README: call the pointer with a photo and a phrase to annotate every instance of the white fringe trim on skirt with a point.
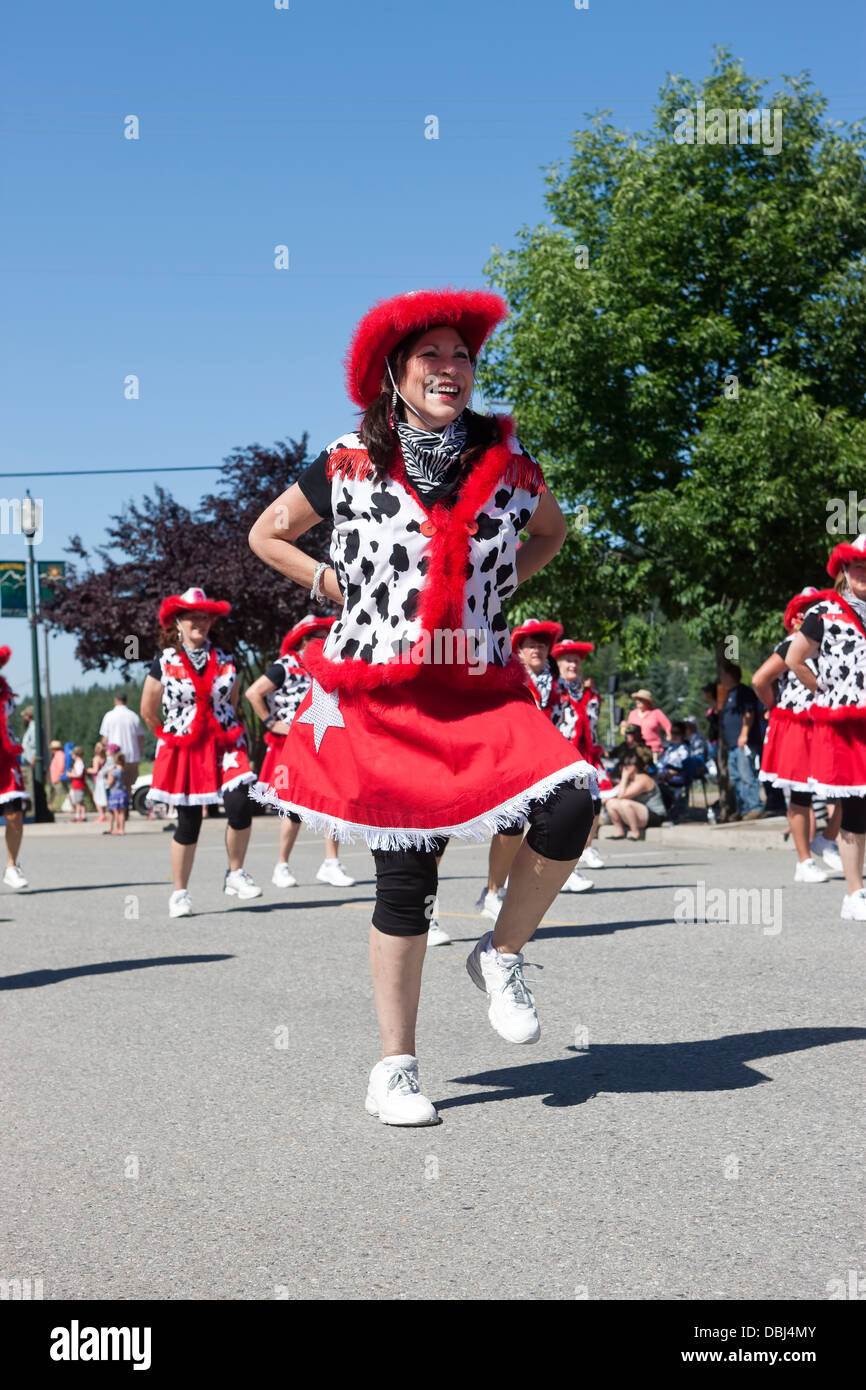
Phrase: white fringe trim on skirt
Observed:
(783, 784)
(396, 837)
(832, 793)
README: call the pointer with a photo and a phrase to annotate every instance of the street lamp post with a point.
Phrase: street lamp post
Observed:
(31, 521)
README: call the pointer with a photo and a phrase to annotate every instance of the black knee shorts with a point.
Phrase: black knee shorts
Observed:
(854, 814)
(239, 812)
(8, 808)
(801, 798)
(407, 879)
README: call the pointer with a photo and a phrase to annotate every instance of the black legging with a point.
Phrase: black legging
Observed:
(406, 879)
(239, 810)
(854, 814)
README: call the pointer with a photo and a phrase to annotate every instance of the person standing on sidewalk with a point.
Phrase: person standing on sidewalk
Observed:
(201, 756)
(418, 724)
(652, 721)
(11, 784)
(275, 697)
(740, 733)
(122, 726)
(833, 635)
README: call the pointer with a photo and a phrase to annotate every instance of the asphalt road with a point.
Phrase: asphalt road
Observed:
(182, 1113)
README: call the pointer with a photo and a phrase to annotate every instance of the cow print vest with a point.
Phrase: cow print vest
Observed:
(408, 573)
(793, 694)
(178, 692)
(841, 661)
(284, 702)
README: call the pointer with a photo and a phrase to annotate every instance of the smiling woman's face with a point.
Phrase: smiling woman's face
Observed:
(855, 573)
(437, 379)
(195, 627)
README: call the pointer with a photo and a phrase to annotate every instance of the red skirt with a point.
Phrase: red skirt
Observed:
(786, 752)
(11, 780)
(402, 765)
(274, 743)
(197, 775)
(838, 757)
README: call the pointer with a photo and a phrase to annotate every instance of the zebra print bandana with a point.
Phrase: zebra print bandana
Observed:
(432, 457)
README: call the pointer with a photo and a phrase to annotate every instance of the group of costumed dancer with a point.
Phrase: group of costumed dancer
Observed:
(815, 687)
(377, 731)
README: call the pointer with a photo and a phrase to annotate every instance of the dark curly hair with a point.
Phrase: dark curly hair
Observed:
(379, 439)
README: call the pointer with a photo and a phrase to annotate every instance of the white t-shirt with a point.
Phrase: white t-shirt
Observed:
(123, 727)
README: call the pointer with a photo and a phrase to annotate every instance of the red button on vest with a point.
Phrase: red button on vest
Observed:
(427, 528)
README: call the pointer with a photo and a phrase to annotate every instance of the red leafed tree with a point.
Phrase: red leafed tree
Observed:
(158, 547)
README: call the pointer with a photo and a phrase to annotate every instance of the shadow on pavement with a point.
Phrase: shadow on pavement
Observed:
(708, 1064)
(88, 887)
(33, 979)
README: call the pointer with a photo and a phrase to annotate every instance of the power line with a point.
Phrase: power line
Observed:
(84, 472)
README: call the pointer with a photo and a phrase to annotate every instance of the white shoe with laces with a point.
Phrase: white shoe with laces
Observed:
(332, 872)
(854, 906)
(500, 976)
(576, 883)
(282, 877)
(807, 871)
(394, 1095)
(435, 935)
(179, 904)
(239, 884)
(829, 852)
(13, 877)
(591, 859)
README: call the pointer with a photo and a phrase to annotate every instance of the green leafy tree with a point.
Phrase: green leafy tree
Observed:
(685, 355)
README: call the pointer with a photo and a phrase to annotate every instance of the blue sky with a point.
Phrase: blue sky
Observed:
(302, 127)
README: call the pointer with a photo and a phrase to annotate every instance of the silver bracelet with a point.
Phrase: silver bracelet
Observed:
(315, 592)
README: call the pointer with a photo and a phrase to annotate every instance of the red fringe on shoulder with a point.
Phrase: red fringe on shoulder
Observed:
(524, 472)
(350, 463)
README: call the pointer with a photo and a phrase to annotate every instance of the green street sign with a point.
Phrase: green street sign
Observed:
(13, 588)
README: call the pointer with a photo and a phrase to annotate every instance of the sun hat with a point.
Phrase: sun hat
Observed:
(643, 695)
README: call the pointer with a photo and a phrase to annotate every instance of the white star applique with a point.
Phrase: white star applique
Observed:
(323, 713)
(230, 760)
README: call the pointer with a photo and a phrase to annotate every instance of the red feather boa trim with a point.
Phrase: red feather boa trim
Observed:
(441, 602)
(7, 742)
(204, 726)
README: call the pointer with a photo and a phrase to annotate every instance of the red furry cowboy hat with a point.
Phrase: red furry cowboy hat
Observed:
(191, 601)
(798, 604)
(474, 313)
(5, 653)
(844, 553)
(571, 648)
(535, 627)
(295, 636)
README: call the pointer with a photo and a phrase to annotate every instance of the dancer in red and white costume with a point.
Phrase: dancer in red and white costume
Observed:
(578, 721)
(785, 754)
(418, 724)
(201, 755)
(12, 793)
(276, 697)
(833, 634)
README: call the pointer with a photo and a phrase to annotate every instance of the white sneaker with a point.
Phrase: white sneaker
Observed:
(576, 883)
(490, 903)
(854, 906)
(500, 977)
(435, 935)
(332, 872)
(238, 884)
(807, 871)
(591, 859)
(282, 877)
(179, 904)
(394, 1095)
(829, 852)
(13, 877)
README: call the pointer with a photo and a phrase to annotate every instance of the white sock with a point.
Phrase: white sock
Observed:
(400, 1059)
